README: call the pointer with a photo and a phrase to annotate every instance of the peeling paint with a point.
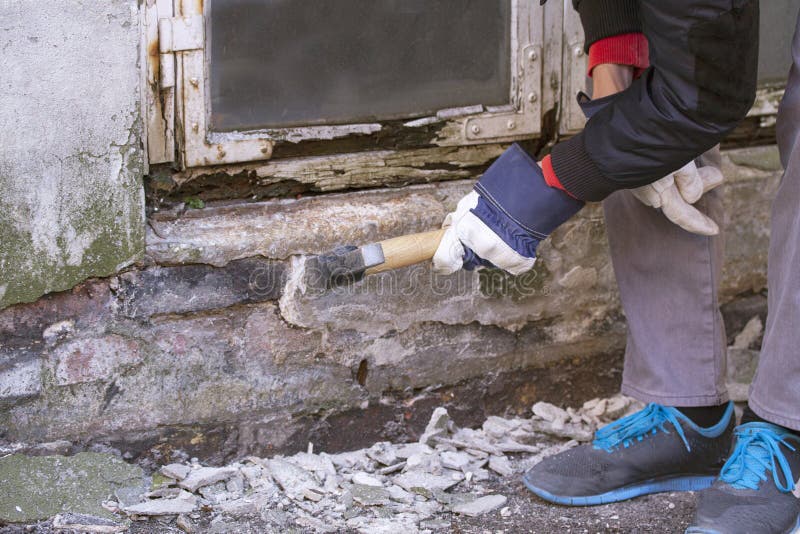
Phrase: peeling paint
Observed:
(72, 204)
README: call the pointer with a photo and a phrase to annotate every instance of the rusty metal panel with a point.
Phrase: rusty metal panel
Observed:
(574, 71)
(158, 96)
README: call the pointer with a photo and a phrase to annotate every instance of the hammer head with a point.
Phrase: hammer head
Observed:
(344, 265)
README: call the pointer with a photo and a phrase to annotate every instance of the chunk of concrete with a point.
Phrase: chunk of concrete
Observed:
(408, 450)
(414, 481)
(205, 476)
(367, 480)
(501, 466)
(437, 427)
(38, 488)
(549, 412)
(182, 504)
(87, 523)
(292, 479)
(370, 495)
(176, 471)
(480, 506)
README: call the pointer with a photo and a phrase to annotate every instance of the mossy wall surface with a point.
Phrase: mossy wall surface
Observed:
(71, 156)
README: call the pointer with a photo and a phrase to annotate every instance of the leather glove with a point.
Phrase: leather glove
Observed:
(503, 220)
(675, 193)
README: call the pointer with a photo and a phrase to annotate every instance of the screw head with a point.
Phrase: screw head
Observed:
(532, 97)
(578, 51)
(532, 56)
(194, 81)
(475, 129)
(195, 127)
(511, 124)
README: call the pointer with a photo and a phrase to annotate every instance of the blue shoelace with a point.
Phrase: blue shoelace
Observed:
(647, 421)
(756, 452)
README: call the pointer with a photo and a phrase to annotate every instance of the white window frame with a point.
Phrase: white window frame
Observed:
(181, 42)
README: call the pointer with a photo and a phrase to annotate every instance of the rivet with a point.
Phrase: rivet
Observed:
(194, 81)
(511, 124)
(532, 97)
(532, 55)
(475, 129)
(578, 51)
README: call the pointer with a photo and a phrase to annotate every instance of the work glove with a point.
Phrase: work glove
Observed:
(502, 221)
(675, 193)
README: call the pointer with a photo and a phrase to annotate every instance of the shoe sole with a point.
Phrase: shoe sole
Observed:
(700, 530)
(656, 485)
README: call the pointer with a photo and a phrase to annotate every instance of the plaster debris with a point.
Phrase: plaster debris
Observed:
(549, 412)
(185, 524)
(87, 523)
(183, 504)
(481, 505)
(292, 479)
(205, 476)
(176, 471)
(436, 427)
(366, 480)
(749, 334)
(501, 466)
(384, 488)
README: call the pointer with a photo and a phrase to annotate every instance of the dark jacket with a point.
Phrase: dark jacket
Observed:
(700, 85)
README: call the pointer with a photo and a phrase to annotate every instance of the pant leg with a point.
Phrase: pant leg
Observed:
(775, 393)
(668, 280)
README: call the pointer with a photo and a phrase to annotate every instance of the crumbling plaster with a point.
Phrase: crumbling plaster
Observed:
(71, 158)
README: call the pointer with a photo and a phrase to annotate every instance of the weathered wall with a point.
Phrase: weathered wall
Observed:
(215, 340)
(71, 159)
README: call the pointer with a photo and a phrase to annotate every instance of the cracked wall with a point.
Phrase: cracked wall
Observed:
(71, 158)
(213, 343)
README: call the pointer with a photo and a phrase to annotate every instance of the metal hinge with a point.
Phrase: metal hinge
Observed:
(177, 34)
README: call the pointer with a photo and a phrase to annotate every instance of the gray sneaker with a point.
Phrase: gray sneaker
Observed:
(656, 449)
(756, 491)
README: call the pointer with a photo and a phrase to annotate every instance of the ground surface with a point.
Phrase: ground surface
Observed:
(662, 513)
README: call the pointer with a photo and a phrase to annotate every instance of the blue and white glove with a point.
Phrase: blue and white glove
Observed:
(503, 220)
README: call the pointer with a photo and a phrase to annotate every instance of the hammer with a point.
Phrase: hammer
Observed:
(350, 264)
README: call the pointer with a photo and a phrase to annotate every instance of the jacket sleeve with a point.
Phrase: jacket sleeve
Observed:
(607, 18)
(701, 83)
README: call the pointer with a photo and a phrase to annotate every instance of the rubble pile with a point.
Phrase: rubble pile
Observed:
(409, 487)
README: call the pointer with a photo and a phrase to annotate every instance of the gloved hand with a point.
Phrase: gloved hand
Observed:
(675, 193)
(503, 220)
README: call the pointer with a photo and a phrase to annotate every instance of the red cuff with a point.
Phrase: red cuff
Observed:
(550, 177)
(624, 49)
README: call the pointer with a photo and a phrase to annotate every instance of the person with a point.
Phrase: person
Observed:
(647, 124)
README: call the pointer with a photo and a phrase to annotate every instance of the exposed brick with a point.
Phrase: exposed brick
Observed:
(194, 288)
(88, 360)
(22, 325)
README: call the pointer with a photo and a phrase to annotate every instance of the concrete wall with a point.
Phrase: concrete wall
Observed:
(200, 332)
(214, 343)
(71, 159)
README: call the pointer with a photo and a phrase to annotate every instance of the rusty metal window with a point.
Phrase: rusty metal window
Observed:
(233, 79)
(277, 63)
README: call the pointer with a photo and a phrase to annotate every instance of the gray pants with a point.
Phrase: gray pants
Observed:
(668, 281)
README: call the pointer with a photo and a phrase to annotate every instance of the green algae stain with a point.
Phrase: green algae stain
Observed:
(39, 487)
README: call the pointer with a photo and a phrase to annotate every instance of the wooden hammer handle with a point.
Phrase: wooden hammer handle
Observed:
(407, 250)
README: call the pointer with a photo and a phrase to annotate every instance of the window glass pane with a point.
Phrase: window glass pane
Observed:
(777, 24)
(304, 62)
